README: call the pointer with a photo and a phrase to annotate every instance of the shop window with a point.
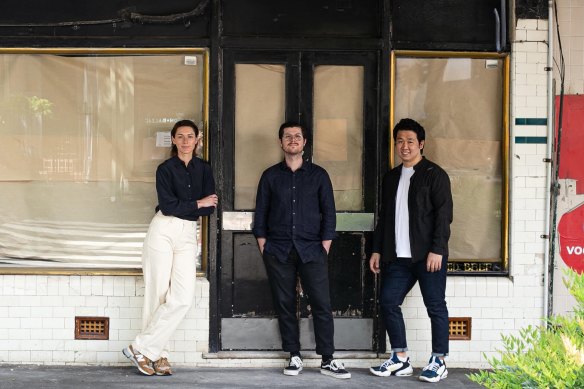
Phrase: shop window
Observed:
(461, 100)
(81, 135)
(338, 130)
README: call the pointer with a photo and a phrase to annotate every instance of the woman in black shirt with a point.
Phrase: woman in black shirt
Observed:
(186, 190)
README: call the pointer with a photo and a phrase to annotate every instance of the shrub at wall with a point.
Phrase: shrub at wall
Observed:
(547, 356)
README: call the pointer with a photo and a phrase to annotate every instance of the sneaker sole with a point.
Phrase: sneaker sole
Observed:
(435, 379)
(336, 375)
(128, 354)
(163, 373)
(292, 372)
(407, 372)
(386, 373)
(401, 372)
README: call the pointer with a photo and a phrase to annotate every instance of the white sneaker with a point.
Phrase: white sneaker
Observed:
(394, 366)
(435, 371)
(334, 368)
(294, 367)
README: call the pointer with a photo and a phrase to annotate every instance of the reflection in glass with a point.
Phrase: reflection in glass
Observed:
(80, 140)
(459, 103)
(338, 131)
(259, 112)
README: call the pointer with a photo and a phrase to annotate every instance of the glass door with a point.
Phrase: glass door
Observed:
(334, 96)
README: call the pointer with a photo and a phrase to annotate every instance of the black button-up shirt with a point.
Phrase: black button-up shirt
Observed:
(295, 209)
(179, 187)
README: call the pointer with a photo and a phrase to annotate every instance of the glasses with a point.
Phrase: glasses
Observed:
(289, 138)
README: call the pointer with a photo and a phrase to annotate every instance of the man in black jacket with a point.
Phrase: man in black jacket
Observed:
(411, 241)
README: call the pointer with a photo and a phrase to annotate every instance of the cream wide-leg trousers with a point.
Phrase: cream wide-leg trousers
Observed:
(169, 268)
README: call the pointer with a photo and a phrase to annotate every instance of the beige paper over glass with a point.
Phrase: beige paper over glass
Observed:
(79, 150)
(459, 103)
(259, 112)
(338, 131)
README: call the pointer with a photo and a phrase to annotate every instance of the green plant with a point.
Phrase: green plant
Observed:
(39, 105)
(546, 356)
(20, 104)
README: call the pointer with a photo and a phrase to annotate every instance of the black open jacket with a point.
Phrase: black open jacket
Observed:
(430, 212)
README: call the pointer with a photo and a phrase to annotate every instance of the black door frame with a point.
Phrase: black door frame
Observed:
(380, 43)
(299, 65)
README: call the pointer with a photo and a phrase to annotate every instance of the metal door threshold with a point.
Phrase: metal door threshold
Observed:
(284, 355)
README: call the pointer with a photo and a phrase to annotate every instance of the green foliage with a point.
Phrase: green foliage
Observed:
(547, 356)
(19, 104)
(39, 105)
(575, 285)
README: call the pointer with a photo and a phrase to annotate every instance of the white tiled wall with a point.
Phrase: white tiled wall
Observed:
(38, 319)
(37, 322)
(571, 22)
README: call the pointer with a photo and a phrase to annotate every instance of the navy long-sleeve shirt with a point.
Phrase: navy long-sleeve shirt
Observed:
(179, 187)
(295, 209)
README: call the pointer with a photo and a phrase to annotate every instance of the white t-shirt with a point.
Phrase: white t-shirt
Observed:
(402, 216)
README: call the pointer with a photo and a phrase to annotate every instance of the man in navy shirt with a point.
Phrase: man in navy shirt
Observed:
(294, 224)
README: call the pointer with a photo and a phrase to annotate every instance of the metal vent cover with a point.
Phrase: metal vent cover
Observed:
(459, 328)
(96, 328)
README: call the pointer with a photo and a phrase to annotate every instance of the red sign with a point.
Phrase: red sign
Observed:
(572, 141)
(571, 231)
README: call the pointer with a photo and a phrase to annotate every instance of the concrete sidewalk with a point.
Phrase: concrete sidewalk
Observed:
(103, 377)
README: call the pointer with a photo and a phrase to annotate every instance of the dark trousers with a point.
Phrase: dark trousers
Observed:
(399, 277)
(315, 283)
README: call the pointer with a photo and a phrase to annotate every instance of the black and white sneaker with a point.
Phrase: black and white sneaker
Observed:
(335, 369)
(394, 366)
(294, 367)
(435, 371)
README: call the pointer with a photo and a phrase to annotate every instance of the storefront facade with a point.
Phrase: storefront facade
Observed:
(89, 96)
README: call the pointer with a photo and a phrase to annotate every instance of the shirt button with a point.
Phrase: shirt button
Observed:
(189, 186)
(293, 201)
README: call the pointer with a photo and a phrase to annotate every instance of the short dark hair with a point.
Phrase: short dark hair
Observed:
(291, 124)
(182, 123)
(408, 124)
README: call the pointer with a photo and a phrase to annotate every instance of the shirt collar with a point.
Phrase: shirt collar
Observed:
(306, 164)
(177, 161)
(420, 163)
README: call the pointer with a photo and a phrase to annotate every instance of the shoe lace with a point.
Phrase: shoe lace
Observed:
(336, 365)
(295, 361)
(387, 363)
(139, 357)
(433, 366)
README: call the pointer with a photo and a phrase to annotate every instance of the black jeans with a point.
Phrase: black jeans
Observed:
(315, 283)
(399, 277)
